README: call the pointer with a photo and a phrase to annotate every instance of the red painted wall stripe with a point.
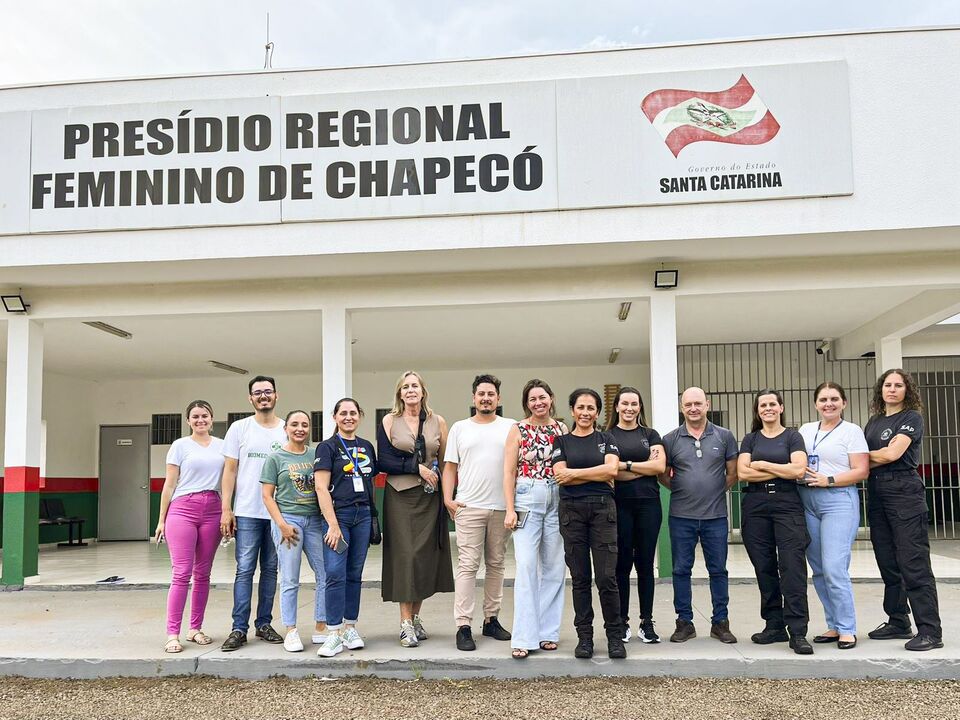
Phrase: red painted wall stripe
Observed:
(156, 484)
(21, 479)
(69, 485)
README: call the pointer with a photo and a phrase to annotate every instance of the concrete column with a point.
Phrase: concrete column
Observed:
(664, 390)
(889, 354)
(22, 447)
(337, 339)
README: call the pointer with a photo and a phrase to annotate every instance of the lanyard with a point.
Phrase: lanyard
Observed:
(354, 458)
(820, 442)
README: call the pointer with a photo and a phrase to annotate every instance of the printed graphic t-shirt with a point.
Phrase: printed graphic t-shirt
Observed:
(332, 456)
(250, 444)
(881, 429)
(293, 476)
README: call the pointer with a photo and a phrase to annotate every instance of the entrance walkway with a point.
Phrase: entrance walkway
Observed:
(143, 563)
(119, 631)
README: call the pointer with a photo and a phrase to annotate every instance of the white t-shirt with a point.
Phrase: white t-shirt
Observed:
(200, 466)
(478, 451)
(834, 446)
(250, 444)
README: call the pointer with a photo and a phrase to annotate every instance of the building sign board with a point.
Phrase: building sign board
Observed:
(700, 136)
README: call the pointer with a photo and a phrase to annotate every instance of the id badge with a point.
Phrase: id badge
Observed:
(813, 462)
(358, 483)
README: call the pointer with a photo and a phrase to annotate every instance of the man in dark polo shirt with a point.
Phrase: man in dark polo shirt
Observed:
(701, 467)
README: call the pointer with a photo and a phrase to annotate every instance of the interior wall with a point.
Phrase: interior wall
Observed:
(134, 401)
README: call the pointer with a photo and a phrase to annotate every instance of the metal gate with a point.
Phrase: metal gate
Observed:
(732, 373)
(938, 379)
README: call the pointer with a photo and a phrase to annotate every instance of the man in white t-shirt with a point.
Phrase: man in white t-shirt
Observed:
(474, 465)
(245, 448)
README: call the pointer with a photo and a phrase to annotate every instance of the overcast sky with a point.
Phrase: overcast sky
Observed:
(51, 40)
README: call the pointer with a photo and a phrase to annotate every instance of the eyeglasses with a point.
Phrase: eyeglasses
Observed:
(262, 393)
(696, 444)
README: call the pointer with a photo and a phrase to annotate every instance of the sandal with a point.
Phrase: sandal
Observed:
(173, 646)
(519, 653)
(199, 637)
(548, 645)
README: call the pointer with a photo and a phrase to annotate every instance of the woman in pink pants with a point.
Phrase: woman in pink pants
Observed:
(190, 521)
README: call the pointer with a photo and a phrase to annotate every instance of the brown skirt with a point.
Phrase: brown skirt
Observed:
(416, 545)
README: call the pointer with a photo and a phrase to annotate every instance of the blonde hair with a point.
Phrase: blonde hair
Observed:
(398, 401)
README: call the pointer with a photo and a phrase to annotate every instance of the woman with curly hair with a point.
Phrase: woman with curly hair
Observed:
(898, 513)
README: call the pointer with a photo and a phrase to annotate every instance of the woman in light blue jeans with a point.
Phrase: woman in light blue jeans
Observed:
(838, 459)
(290, 497)
(529, 487)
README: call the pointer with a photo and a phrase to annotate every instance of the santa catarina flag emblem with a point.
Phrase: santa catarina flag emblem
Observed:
(736, 115)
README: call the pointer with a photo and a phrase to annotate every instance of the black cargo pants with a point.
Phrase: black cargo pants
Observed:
(588, 526)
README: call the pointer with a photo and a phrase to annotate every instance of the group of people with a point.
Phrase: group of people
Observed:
(573, 498)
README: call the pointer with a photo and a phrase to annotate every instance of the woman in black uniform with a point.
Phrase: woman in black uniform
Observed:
(898, 513)
(639, 514)
(585, 466)
(772, 461)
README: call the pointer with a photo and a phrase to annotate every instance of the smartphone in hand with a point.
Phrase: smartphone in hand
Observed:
(341, 547)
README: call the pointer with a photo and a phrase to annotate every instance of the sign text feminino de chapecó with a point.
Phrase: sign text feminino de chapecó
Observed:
(702, 136)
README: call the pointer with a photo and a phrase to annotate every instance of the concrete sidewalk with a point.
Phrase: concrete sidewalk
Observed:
(118, 631)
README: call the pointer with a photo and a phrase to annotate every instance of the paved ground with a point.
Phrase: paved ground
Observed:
(111, 632)
(557, 699)
(143, 563)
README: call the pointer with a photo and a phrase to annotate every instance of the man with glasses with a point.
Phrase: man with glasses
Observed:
(245, 448)
(701, 467)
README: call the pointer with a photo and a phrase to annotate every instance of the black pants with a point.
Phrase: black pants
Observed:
(898, 531)
(588, 526)
(638, 528)
(775, 534)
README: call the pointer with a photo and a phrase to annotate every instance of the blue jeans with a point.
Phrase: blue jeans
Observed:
(833, 516)
(712, 535)
(541, 571)
(345, 570)
(253, 543)
(310, 542)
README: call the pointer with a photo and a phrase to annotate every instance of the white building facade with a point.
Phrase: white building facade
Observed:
(333, 228)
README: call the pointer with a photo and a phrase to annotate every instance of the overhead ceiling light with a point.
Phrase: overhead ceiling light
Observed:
(229, 368)
(624, 311)
(110, 329)
(614, 354)
(666, 279)
(15, 304)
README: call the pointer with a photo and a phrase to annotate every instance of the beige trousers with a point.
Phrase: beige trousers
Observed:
(479, 532)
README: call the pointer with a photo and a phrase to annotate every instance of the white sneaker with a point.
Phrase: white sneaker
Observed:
(319, 638)
(626, 633)
(333, 645)
(352, 639)
(292, 642)
(408, 636)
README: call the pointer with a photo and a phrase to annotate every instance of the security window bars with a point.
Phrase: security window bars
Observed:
(164, 428)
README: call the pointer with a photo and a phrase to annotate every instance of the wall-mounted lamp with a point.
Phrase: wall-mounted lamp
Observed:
(666, 279)
(15, 304)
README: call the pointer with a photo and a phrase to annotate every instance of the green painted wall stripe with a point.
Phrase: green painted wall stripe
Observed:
(20, 537)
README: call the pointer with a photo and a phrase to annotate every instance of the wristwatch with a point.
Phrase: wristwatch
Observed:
(629, 465)
(831, 480)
